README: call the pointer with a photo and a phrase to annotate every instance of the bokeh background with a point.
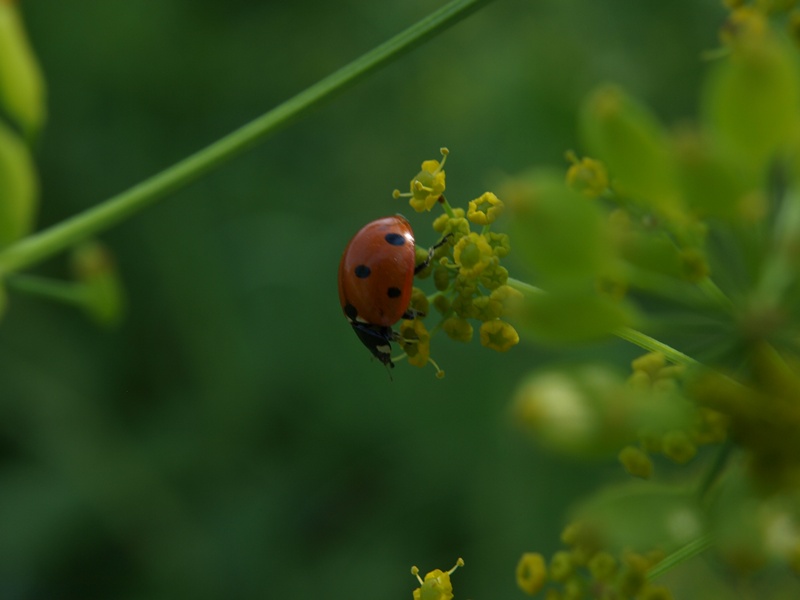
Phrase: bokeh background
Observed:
(231, 438)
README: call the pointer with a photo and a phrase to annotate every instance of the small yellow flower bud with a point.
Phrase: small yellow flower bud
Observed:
(651, 441)
(510, 298)
(494, 276)
(419, 301)
(574, 589)
(428, 185)
(584, 540)
(639, 380)
(678, 447)
(458, 329)
(561, 566)
(465, 286)
(500, 243)
(487, 309)
(603, 566)
(462, 306)
(415, 341)
(588, 176)
(746, 27)
(531, 573)
(472, 254)
(498, 335)
(441, 222)
(441, 278)
(94, 267)
(650, 363)
(634, 574)
(436, 585)
(485, 210)
(441, 303)
(636, 462)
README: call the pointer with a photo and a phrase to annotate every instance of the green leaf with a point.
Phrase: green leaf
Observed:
(711, 182)
(556, 231)
(18, 187)
(750, 102)
(21, 83)
(573, 313)
(629, 139)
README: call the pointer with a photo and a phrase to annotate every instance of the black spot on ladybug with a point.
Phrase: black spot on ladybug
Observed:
(393, 292)
(395, 239)
(350, 311)
(362, 271)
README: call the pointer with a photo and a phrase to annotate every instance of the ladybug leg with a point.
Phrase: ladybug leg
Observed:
(412, 313)
(431, 250)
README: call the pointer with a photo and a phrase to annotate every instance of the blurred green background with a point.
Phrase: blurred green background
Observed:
(232, 439)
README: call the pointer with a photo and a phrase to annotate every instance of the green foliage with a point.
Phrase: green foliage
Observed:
(21, 83)
(190, 454)
(18, 187)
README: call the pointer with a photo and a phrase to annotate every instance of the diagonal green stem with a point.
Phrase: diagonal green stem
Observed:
(68, 292)
(693, 548)
(626, 333)
(653, 345)
(110, 212)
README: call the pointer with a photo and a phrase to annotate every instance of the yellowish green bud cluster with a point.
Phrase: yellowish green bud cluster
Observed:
(428, 185)
(586, 570)
(651, 373)
(101, 288)
(762, 413)
(587, 175)
(590, 410)
(466, 270)
(436, 585)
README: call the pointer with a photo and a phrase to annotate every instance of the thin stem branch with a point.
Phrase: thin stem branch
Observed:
(626, 333)
(68, 292)
(712, 290)
(46, 243)
(690, 550)
(653, 345)
(716, 469)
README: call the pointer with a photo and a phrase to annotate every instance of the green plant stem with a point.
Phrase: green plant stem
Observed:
(67, 292)
(653, 345)
(693, 548)
(711, 289)
(720, 460)
(46, 243)
(626, 333)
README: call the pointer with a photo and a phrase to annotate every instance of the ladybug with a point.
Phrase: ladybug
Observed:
(376, 276)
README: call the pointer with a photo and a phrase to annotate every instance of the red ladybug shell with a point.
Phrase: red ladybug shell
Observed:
(376, 273)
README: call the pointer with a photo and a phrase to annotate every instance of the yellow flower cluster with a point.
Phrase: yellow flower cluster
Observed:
(427, 186)
(586, 570)
(652, 373)
(436, 585)
(465, 269)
